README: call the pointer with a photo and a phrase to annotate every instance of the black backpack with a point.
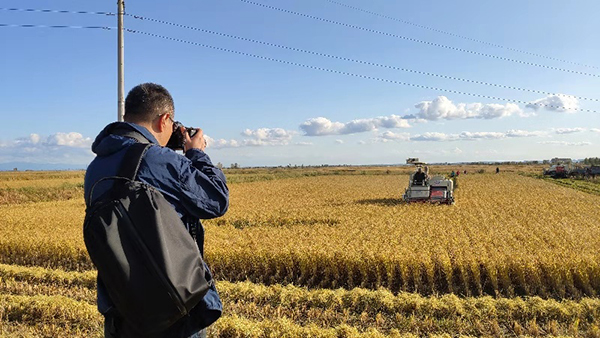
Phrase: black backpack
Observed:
(149, 263)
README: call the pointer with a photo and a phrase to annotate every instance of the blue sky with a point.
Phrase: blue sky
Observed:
(59, 86)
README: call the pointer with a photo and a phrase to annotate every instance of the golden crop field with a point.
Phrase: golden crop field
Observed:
(334, 252)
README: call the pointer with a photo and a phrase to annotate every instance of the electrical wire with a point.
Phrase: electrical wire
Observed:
(139, 17)
(55, 11)
(318, 53)
(55, 26)
(303, 65)
(434, 44)
(360, 28)
(353, 74)
(457, 35)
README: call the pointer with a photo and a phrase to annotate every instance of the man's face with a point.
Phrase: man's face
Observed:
(172, 121)
(165, 128)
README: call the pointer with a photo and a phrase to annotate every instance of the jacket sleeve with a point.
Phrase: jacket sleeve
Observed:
(204, 187)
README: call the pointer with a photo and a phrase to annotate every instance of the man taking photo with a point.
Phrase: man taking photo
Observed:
(190, 182)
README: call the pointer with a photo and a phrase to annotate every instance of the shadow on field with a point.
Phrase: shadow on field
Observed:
(382, 201)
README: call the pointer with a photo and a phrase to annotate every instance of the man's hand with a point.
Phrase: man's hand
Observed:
(195, 142)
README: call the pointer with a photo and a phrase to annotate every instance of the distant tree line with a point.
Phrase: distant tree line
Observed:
(592, 161)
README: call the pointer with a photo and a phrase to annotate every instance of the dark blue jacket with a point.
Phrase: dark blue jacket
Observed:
(191, 183)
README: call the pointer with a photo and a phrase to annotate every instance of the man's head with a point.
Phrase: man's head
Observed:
(150, 105)
(419, 169)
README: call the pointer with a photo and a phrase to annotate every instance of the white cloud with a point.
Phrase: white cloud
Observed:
(565, 143)
(73, 139)
(524, 133)
(568, 130)
(68, 148)
(443, 108)
(481, 135)
(67, 139)
(433, 136)
(388, 135)
(321, 126)
(269, 136)
(556, 103)
(304, 143)
(220, 143)
(34, 138)
(338, 141)
(465, 136)
(257, 138)
(472, 136)
(595, 130)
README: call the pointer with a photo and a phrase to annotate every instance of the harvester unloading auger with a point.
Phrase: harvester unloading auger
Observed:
(422, 188)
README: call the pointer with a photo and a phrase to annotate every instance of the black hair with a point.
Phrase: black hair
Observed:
(146, 101)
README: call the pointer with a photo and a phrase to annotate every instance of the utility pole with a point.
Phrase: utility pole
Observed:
(121, 71)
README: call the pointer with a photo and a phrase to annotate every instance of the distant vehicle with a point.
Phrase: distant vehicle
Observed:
(585, 172)
(422, 188)
(593, 171)
(564, 170)
(578, 172)
(558, 171)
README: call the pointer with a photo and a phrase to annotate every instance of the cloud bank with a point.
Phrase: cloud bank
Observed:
(442, 108)
(256, 138)
(566, 143)
(473, 136)
(321, 126)
(558, 103)
(67, 148)
(568, 130)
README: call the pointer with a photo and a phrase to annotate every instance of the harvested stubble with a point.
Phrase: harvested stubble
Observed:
(591, 186)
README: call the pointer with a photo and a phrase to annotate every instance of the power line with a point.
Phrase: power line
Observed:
(55, 11)
(417, 40)
(353, 74)
(139, 17)
(55, 26)
(355, 60)
(457, 35)
(305, 66)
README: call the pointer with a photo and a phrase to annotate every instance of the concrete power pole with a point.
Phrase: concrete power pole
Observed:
(121, 70)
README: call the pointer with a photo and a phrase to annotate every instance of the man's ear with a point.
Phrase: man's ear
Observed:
(161, 122)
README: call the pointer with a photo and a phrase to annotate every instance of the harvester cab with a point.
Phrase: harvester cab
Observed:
(423, 188)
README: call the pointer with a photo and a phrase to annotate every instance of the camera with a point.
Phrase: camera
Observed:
(177, 140)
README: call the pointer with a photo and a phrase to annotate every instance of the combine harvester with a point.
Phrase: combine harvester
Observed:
(564, 168)
(422, 188)
(559, 169)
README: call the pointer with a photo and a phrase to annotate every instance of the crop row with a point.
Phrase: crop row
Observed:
(434, 276)
(506, 236)
(335, 270)
(359, 308)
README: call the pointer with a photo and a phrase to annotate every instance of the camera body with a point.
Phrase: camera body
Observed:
(177, 140)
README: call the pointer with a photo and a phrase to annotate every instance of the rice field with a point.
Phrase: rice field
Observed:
(334, 252)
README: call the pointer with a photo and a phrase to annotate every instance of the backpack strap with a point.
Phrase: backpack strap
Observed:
(133, 158)
(134, 134)
(127, 171)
